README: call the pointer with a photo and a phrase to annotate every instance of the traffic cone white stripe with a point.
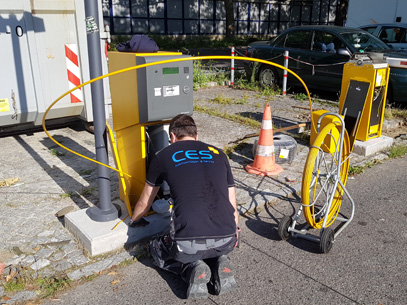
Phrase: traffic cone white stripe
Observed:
(267, 124)
(265, 151)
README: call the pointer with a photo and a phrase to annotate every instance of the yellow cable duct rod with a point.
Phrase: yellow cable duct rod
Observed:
(152, 64)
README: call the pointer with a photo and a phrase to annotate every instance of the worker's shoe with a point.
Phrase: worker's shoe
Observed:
(197, 275)
(222, 279)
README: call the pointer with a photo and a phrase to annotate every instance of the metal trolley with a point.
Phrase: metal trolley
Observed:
(364, 88)
(323, 185)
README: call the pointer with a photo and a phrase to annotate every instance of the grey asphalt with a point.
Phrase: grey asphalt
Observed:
(366, 265)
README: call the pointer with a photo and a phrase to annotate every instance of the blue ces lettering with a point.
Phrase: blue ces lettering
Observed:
(181, 155)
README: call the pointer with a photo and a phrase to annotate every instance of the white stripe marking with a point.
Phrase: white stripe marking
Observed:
(265, 151)
(266, 124)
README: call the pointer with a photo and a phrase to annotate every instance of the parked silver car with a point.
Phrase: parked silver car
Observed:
(393, 34)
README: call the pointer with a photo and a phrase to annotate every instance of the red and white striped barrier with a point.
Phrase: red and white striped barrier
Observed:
(74, 73)
(232, 68)
(285, 73)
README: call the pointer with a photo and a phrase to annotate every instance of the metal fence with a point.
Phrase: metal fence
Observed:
(208, 17)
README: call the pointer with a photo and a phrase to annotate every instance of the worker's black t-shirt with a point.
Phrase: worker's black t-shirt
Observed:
(199, 176)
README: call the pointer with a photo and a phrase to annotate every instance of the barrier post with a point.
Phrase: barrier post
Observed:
(285, 72)
(232, 68)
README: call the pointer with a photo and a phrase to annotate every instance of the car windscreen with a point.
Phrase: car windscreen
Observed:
(363, 42)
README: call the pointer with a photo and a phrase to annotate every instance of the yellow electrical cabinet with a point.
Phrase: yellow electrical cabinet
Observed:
(144, 100)
(363, 95)
(331, 141)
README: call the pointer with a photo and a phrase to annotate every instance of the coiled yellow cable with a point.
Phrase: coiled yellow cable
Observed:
(313, 171)
(152, 64)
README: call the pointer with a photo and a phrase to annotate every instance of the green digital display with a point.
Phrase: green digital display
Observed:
(171, 70)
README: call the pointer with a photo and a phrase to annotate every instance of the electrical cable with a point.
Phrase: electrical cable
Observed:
(153, 64)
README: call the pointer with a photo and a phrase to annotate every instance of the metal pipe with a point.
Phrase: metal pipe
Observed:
(104, 211)
(286, 53)
(232, 68)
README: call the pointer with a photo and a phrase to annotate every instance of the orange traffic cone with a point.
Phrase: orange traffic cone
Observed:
(265, 160)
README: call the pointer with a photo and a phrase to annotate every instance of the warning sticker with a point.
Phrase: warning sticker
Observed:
(4, 105)
(170, 90)
(284, 153)
(157, 91)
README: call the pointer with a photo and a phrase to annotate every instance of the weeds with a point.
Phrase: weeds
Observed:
(85, 172)
(50, 286)
(203, 75)
(231, 149)
(300, 96)
(23, 279)
(67, 195)
(87, 191)
(247, 121)
(397, 151)
(354, 170)
(395, 113)
(220, 99)
(56, 153)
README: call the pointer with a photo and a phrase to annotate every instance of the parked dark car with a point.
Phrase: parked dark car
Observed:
(318, 54)
(393, 34)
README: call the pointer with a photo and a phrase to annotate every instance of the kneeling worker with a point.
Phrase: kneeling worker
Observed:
(204, 216)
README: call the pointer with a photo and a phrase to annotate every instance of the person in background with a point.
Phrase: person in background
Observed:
(204, 226)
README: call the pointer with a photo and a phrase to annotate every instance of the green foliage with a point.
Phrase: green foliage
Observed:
(50, 286)
(300, 96)
(247, 121)
(204, 75)
(395, 113)
(67, 195)
(397, 151)
(354, 170)
(85, 172)
(220, 99)
(56, 153)
(87, 191)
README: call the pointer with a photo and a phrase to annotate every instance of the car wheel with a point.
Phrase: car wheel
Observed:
(268, 76)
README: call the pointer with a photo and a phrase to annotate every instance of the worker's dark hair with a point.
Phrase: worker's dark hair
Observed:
(182, 126)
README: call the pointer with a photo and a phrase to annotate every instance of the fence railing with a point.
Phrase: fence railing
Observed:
(208, 17)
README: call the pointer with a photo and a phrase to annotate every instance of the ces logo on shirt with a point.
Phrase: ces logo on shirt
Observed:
(194, 156)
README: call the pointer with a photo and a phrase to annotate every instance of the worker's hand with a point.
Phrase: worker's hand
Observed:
(237, 237)
(139, 223)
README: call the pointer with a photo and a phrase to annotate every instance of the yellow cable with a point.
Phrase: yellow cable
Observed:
(308, 207)
(152, 64)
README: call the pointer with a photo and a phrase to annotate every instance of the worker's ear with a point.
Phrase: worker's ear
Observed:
(173, 137)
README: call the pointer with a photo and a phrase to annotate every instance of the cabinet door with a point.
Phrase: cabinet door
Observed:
(18, 102)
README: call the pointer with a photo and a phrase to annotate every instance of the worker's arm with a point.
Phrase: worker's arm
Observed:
(144, 203)
(232, 199)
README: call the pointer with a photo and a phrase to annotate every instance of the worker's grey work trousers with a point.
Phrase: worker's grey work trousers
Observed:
(178, 256)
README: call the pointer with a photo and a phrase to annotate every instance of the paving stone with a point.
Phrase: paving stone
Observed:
(21, 297)
(30, 259)
(46, 233)
(61, 266)
(77, 258)
(15, 260)
(42, 263)
(57, 256)
(71, 247)
(1, 291)
(44, 253)
(99, 266)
